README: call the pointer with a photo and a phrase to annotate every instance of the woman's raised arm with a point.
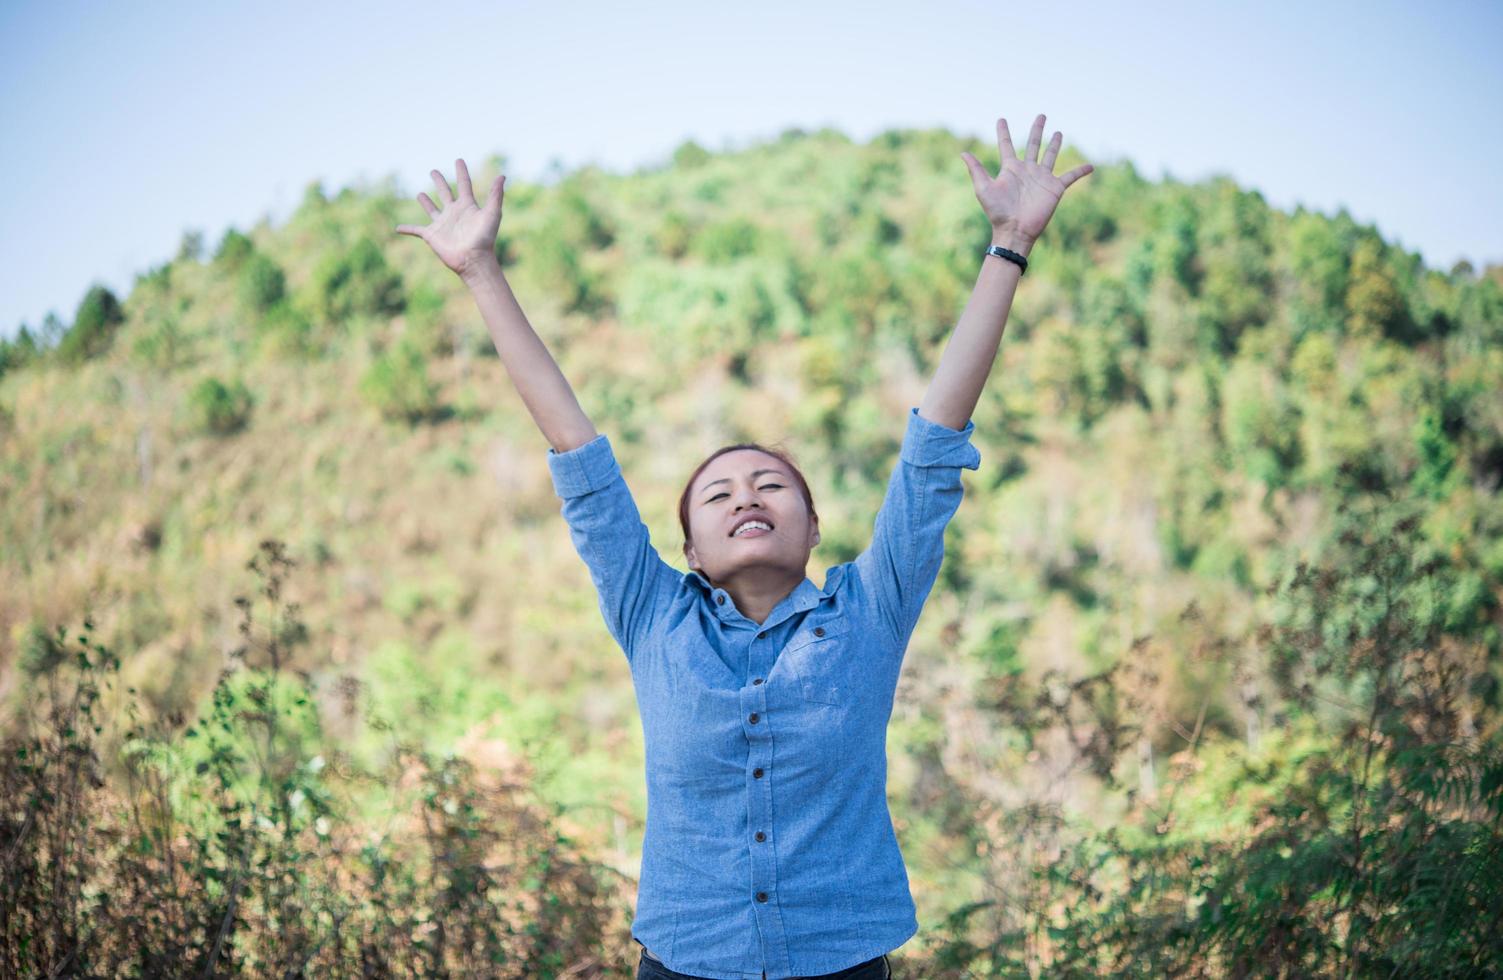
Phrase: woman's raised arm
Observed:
(463, 236)
(1019, 202)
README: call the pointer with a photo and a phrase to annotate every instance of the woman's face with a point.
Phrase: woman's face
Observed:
(738, 486)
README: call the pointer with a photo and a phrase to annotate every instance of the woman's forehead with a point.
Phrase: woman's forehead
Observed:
(739, 463)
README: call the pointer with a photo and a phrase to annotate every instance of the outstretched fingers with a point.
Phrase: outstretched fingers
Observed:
(446, 195)
(462, 178)
(421, 231)
(466, 197)
(498, 191)
(1052, 151)
(1004, 143)
(1076, 174)
(1035, 136)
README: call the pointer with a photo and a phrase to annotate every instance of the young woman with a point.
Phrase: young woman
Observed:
(769, 850)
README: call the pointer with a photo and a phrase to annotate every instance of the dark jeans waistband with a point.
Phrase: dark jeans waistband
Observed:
(876, 968)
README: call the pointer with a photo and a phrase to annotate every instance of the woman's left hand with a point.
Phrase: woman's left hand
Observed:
(1021, 199)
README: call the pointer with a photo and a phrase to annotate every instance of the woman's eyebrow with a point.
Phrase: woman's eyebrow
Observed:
(755, 474)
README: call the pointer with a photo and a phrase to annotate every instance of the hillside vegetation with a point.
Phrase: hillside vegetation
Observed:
(1209, 683)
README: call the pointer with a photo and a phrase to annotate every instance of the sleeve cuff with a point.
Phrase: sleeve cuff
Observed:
(583, 469)
(928, 443)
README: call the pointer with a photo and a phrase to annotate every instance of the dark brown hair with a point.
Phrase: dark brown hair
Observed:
(798, 476)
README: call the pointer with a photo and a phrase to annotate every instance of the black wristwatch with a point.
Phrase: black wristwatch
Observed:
(1009, 255)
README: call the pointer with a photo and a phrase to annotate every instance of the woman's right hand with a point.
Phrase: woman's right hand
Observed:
(462, 233)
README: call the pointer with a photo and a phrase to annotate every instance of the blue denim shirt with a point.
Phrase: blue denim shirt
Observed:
(769, 850)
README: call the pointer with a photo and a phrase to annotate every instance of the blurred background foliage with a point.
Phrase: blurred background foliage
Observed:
(1209, 683)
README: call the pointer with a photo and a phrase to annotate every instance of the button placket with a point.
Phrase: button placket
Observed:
(758, 732)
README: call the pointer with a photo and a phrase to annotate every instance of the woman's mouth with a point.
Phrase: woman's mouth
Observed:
(761, 527)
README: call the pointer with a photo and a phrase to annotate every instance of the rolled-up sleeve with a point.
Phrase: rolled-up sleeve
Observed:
(899, 567)
(631, 579)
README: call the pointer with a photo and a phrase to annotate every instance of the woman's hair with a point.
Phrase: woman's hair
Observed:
(798, 476)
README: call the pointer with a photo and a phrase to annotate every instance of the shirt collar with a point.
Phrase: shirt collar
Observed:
(805, 596)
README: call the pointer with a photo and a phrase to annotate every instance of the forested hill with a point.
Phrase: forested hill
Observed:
(1195, 394)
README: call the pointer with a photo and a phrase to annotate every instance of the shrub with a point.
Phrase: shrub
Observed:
(689, 155)
(397, 384)
(191, 247)
(15, 354)
(1363, 836)
(426, 325)
(314, 198)
(218, 408)
(51, 333)
(234, 248)
(163, 344)
(261, 284)
(285, 329)
(726, 240)
(357, 282)
(673, 235)
(157, 279)
(94, 326)
(230, 847)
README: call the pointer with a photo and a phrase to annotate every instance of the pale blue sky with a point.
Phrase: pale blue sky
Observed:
(125, 124)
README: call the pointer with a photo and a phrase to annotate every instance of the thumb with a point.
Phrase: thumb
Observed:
(979, 177)
(496, 193)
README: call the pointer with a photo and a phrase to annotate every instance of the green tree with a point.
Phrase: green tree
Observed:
(286, 329)
(1374, 306)
(357, 282)
(398, 386)
(190, 247)
(727, 240)
(94, 326)
(218, 408)
(234, 248)
(17, 353)
(163, 344)
(673, 235)
(689, 155)
(1259, 422)
(1318, 265)
(1437, 474)
(261, 284)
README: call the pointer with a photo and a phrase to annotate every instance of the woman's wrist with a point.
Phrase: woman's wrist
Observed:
(1011, 240)
(481, 267)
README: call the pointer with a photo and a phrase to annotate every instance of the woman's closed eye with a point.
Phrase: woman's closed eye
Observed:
(769, 486)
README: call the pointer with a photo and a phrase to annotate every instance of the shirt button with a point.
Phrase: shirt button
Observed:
(756, 682)
(762, 635)
(761, 896)
(753, 718)
(720, 600)
(757, 772)
(819, 631)
(761, 836)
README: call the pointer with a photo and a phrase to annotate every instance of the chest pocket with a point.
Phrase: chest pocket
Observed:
(818, 654)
